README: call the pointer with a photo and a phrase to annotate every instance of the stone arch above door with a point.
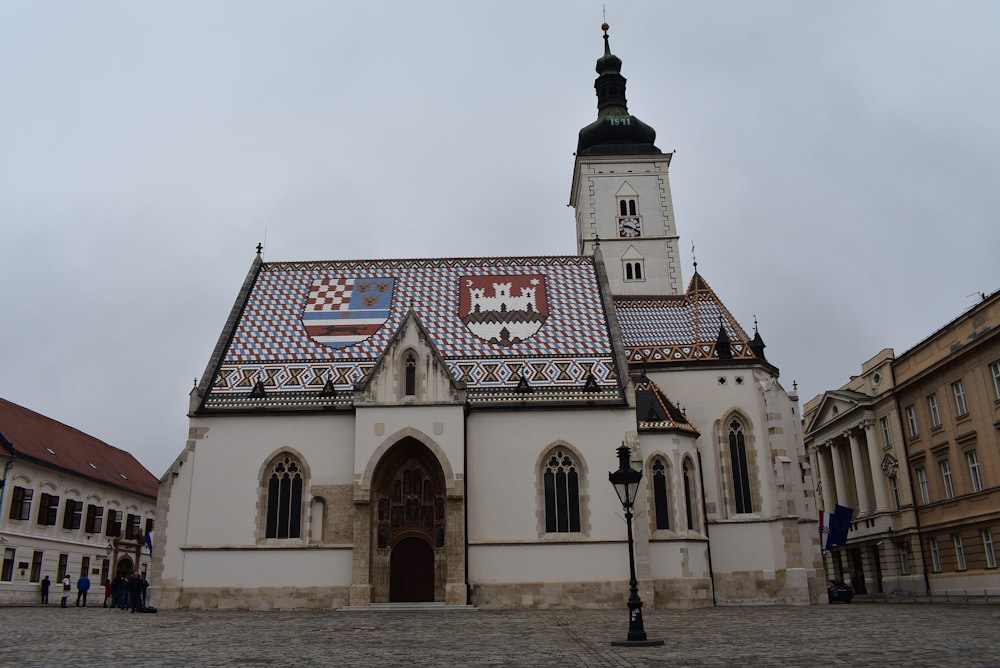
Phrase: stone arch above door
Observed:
(409, 501)
(451, 483)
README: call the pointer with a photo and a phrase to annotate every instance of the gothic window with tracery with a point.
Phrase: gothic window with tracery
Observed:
(284, 499)
(741, 467)
(561, 479)
(688, 494)
(661, 510)
(411, 374)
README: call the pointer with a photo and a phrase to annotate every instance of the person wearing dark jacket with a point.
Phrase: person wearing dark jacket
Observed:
(135, 591)
(45, 589)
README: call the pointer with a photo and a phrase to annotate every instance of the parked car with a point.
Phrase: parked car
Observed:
(839, 591)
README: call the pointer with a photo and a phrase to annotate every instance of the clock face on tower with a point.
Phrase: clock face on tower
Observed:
(628, 226)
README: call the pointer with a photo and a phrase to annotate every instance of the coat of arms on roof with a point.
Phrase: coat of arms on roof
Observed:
(503, 310)
(341, 312)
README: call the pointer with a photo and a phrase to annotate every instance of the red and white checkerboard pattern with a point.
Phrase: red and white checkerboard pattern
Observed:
(330, 294)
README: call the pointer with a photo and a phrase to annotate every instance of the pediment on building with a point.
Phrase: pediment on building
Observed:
(411, 371)
(835, 406)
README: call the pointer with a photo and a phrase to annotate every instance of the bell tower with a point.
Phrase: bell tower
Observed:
(621, 192)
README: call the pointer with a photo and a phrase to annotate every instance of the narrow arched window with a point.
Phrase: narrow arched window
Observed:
(741, 467)
(411, 374)
(622, 207)
(284, 499)
(638, 271)
(628, 271)
(661, 510)
(631, 207)
(688, 495)
(561, 479)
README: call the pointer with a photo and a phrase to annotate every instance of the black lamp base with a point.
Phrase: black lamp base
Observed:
(636, 643)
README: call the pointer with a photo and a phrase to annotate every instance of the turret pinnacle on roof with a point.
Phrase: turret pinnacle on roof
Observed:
(615, 132)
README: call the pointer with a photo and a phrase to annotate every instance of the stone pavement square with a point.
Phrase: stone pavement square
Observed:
(910, 635)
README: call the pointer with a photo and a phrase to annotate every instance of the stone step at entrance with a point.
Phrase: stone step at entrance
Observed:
(429, 606)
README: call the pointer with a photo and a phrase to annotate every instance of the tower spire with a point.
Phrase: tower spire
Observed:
(615, 132)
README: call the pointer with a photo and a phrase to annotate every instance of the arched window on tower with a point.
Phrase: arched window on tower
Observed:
(561, 480)
(741, 467)
(661, 509)
(284, 499)
(411, 374)
(633, 270)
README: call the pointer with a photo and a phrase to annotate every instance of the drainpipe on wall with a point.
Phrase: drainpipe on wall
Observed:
(704, 514)
(465, 498)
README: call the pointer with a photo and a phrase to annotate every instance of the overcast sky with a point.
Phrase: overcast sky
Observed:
(837, 167)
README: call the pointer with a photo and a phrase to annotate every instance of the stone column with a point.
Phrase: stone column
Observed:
(826, 475)
(838, 475)
(878, 479)
(860, 480)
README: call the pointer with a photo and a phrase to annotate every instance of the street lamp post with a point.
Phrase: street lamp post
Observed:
(626, 483)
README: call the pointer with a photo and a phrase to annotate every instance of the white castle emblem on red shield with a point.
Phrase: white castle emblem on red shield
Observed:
(504, 310)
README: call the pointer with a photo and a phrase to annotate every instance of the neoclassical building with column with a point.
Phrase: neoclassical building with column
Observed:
(854, 442)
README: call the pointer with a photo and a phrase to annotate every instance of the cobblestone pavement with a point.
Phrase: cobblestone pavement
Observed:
(911, 635)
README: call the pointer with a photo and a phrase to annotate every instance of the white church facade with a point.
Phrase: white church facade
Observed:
(372, 431)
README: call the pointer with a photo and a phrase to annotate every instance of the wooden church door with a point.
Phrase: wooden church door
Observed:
(409, 526)
(411, 571)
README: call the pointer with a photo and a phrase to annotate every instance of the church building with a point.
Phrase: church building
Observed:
(440, 430)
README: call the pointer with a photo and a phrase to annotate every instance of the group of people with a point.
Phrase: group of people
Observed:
(126, 592)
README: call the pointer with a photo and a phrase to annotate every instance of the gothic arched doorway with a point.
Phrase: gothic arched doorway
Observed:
(411, 571)
(408, 528)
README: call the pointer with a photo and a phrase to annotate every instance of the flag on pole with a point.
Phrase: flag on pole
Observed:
(833, 527)
(149, 541)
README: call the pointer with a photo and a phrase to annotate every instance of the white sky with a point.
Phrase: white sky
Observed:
(837, 167)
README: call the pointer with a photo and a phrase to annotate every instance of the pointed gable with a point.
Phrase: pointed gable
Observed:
(655, 412)
(305, 326)
(680, 328)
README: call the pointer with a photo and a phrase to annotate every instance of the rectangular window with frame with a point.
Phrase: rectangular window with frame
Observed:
(904, 558)
(63, 567)
(20, 503)
(897, 500)
(132, 527)
(949, 485)
(8, 565)
(911, 421)
(886, 434)
(975, 475)
(961, 407)
(925, 491)
(991, 553)
(149, 524)
(48, 509)
(85, 567)
(932, 404)
(73, 514)
(995, 370)
(36, 566)
(114, 528)
(95, 518)
(935, 554)
(959, 552)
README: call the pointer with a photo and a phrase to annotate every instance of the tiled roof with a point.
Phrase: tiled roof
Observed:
(309, 331)
(655, 412)
(55, 444)
(678, 328)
